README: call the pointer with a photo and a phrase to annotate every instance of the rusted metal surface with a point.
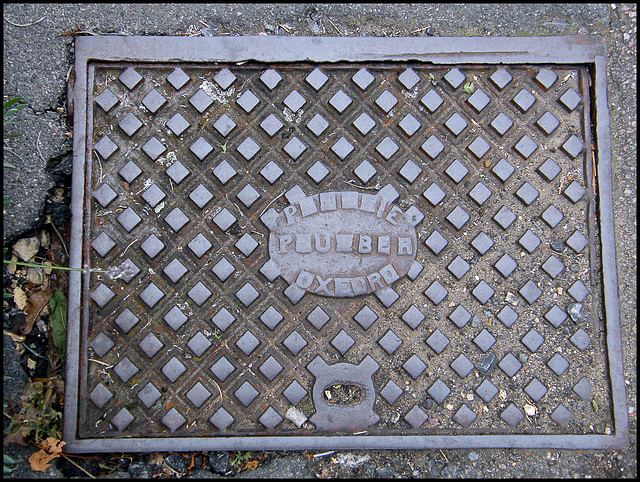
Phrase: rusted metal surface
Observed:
(426, 233)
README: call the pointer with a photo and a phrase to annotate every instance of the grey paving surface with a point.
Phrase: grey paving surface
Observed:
(37, 59)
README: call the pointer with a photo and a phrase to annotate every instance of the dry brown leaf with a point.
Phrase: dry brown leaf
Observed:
(40, 460)
(36, 303)
(16, 338)
(156, 459)
(19, 298)
(253, 464)
(51, 448)
(52, 445)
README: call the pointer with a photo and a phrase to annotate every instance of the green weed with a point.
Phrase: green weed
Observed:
(10, 109)
(469, 88)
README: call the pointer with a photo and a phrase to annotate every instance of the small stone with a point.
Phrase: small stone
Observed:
(177, 463)
(487, 364)
(578, 312)
(575, 267)
(140, 470)
(523, 357)
(530, 410)
(45, 239)
(219, 462)
(428, 403)
(296, 416)
(35, 276)
(476, 321)
(26, 248)
(11, 268)
(473, 457)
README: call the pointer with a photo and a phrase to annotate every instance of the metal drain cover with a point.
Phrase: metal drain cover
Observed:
(313, 243)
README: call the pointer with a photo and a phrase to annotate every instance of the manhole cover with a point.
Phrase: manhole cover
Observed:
(342, 243)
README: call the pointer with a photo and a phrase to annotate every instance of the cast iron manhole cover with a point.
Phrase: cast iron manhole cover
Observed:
(342, 243)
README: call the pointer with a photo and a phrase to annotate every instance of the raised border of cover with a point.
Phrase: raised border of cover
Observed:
(564, 50)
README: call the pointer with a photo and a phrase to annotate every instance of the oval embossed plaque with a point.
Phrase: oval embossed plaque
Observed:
(342, 244)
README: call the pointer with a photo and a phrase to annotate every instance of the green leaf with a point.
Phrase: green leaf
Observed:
(10, 103)
(9, 460)
(431, 76)
(468, 88)
(6, 164)
(224, 147)
(58, 320)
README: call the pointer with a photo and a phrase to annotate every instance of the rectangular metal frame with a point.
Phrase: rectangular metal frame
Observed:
(582, 50)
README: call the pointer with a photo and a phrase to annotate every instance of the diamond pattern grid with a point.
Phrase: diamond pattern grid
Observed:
(570, 99)
(502, 123)
(106, 100)
(501, 78)
(416, 417)
(439, 391)
(390, 342)
(456, 171)
(462, 365)
(484, 340)
(409, 124)
(295, 342)
(248, 101)
(122, 419)
(102, 295)
(432, 101)
(221, 419)
(150, 345)
(105, 147)
(101, 344)
(130, 78)
(248, 185)
(558, 364)
(100, 395)
(365, 318)
(487, 391)
(414, 366)
(246, 394)
(198, 394)
(343, 342)
(536, 390)
(533, 340)
(178, 78)
(460, 316)
(391, 392)
(153, 101)
(271, 78)
(295, 392)
(465, 416)
(222, 369)
(247, 343)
